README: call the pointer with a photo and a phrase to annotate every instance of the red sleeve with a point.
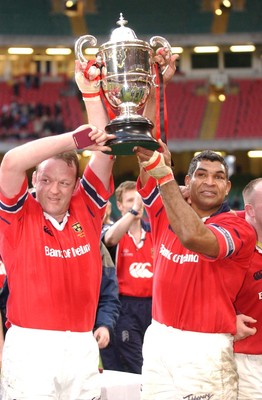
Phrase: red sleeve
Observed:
(235, 236)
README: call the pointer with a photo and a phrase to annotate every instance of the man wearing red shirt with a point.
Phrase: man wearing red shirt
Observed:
(248, 351)
(50, 246)
(202, 252)
(130, 244)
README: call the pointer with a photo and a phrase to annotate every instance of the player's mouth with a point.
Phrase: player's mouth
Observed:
(208, 193)
(53, 199)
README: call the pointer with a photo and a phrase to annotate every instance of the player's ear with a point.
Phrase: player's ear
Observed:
(187, 180)
(34, 178)
(250, 212)
(228, 187)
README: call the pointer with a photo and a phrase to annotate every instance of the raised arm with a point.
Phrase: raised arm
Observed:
(21, 158)
(88, 82)
(187, 225)
(190, 229)
(115, 232)
(100, 163)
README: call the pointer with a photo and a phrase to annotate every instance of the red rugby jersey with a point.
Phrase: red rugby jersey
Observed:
(134, 265)
(53, 276)
(249, 302)
(191, 291)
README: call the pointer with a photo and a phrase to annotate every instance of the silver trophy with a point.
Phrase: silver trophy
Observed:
(126, 83)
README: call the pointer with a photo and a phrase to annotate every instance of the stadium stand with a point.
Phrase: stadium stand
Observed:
(47, 104)
(185, 109)
(241, 115)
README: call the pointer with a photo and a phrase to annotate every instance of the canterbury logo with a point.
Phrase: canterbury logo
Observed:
(141, 270)
(47, 230)
(257, 275)
(125, 336)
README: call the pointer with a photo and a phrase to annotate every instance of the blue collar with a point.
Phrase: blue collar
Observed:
(223, 208)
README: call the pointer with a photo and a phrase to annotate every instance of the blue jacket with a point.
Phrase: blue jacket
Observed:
(108, 306)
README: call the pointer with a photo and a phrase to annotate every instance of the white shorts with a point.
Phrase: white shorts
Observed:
(49, 365)
(250, 376)
(187, 365)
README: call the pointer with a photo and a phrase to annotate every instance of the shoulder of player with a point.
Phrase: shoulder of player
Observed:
(233, 220)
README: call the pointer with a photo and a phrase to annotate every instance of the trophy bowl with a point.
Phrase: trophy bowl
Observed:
(126, 82)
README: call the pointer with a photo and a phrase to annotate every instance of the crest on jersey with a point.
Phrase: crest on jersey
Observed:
(78, 229)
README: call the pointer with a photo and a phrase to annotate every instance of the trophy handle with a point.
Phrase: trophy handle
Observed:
(159, 39)
(153, 43)
(91, 40)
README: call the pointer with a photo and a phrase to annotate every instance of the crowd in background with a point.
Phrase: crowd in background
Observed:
(32, 107)
(20, 120)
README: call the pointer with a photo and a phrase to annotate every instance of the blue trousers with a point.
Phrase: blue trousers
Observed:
(124, 353)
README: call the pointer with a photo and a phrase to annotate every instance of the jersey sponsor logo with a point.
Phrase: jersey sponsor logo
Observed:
(185, 258)
(178, 258)
(67, 253)
(126, 253)
(260, 296)
(141, 270)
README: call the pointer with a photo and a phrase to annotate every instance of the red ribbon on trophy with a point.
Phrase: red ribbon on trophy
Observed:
(161, 108)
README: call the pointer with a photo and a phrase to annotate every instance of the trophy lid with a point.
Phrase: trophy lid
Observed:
(122, 33)
(124, 36)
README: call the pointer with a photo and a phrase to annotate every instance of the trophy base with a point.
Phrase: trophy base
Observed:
(129, 134)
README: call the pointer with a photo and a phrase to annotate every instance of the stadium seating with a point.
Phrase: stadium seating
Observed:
(185, 109)
(47, 96)
(241, 115)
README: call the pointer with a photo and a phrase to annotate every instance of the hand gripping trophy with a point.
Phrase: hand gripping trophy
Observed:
(126, 83)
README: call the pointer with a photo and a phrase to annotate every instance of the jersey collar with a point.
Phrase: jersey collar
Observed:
(59, 226)
(223, 208)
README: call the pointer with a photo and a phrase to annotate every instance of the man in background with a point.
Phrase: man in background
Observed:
(130, 245)
(248, 351)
